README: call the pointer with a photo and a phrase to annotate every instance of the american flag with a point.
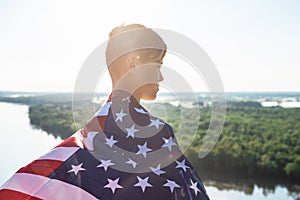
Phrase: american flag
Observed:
(127, 154)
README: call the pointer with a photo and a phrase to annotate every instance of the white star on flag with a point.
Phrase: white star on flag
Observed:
(120, 116)
(113, 185)
(131, 131)
(155, 123)
(110, 142)
(126, 98)
(143, 183)
(140, 110)
(105, 164)
(171, 185)
(76, 169)
(131, 162)
(182, 165)
(169, 143)
(157, 170)
(143, 149)
(194, 187)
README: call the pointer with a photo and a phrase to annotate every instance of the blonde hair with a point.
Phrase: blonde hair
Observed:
(135, 38)
(122, 28)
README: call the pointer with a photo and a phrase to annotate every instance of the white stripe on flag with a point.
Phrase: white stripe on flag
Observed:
(104, 110)
(59, 153)
(45, 188)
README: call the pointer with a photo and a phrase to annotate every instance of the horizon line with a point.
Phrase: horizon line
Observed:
(162, 92)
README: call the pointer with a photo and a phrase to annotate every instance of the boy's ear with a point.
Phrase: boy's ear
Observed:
(131, 61)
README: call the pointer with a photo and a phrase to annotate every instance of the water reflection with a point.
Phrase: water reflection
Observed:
(247, 185)
(20, 143)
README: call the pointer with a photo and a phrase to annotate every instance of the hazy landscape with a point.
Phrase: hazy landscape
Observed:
(259, 145)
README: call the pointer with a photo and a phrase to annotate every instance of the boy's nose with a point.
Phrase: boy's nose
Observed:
(161, 78)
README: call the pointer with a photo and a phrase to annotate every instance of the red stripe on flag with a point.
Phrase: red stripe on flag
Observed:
(41, 167)
(71, 142)
(15, 195)
(102, 121)
(96, 124)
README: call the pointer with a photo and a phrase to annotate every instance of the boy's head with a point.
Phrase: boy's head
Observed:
(134, 55)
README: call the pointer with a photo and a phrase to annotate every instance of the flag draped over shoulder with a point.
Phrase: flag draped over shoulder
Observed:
(128, 154)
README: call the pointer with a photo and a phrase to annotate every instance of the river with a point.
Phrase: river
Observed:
(22, 143)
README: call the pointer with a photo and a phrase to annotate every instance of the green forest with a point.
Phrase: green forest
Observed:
(255, 142)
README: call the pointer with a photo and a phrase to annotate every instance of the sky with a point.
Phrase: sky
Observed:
(254, 44)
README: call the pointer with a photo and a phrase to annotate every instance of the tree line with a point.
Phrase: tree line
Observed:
(256, 141)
